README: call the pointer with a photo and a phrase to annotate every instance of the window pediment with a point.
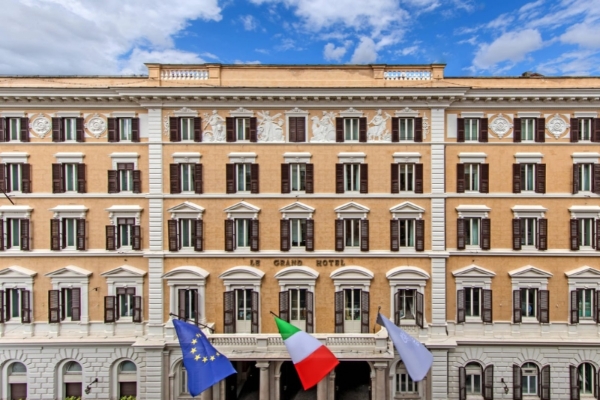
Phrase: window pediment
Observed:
(185, 112)
(69, 158)
(16, 272)
(583, 272)
(529, 211)
(184, 158)
(352, 276)
(242, 210)
(585, 211)
(186, 210)
(242, 158)
(352, 210)
(296, 112)
(124, 158)
(14, 157)
(297, 210)
(407, 157)
(474, 271)
(407, 210)
(15, 211)
(242, 276)
(297, 276)
(241, 112)
(529, 158)
(69, 211)
(529, 272)
(124, 271)
(186, 273)
(351, 113)
(406, 274)
(69, 272)
(407, 113)
(304, 157)
(351, 158)
(473, 211)
(124, 211)
(476, 158)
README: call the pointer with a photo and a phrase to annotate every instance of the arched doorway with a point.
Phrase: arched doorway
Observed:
(353, 380)
(245, 384)
(290, 387)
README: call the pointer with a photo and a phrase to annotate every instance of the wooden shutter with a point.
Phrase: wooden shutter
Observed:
(230, 178)
(25, 234)
(172, 229)
(55, 239)
(54, 306)
(284, 305)
(285, 178)
(79, 130)
(460, 306)
(2, 234)
(81, 224)
(58, 183)
(175, 178)
(339, 178)
(309, 186)
(310, 235)
(135, 130)
(254, 182)
(364, 235)
(517, 381)
(310, 306)
(174, 133)
(517, 317)
(540, 130)
(254, 237)
(462, 383)
(574, 131)
(544, 306)
(597, 307)
(597, 239)
(545, 383)
(486, 228)
(113, 181)
(25, 306)
(300, 129)
(137, 181)
(573, 383)
(596, 178)
(229, 311)
(253, 131)
(57, 130)
(197, 129)
(460, 130)
(460, 178)
(198, 235)
(24, 133)
(483, 130)
(575, 307)
(364, 178)
(397, 307)
(339, 312)
(230, 129)
(418, 178)
(516, 229)
(110, 309)
(395, 178)
(81, 178)
(198, 179)
(364, 311)
(2, 305)
(26, 178)
(488, 383)
(136, 237)
(420, 235)
(596, 130)
(3, 185)
(395, 130)
(418, 130)
(3, 130)
(111, 127)
(76, 304)
(487, 312)
(575, 188)
(542, 234)
(540, 178)
(517, 130)
(254, 307)
(362, 130)
(137, 308)
(419, 309)
(339, 130)
(516, 170)
(284, 234)
(484, 178)
(196, 306)
(394, 235)
(339, 235)
(574, 234)
(292, 124)
(460, 234)
(181, 303)
(111, 237)
(229, 234)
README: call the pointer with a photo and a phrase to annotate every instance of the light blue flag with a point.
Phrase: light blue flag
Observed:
(416, 358)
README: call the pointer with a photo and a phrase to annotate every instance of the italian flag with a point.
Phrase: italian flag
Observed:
(312, 360)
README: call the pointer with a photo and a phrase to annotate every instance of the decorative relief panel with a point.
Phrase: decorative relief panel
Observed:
(217, 131)
(323, 129)
(500, 125)
(270, 128)
(166, 123)
(557, 126)
(378, 132)
(40, 125)
(96, 125)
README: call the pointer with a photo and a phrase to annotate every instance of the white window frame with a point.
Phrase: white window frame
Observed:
(123, 158)
(472, 171)
(473, 276)
(352, 210)
(528, 135)
(296, 112)
(474, 369)
(537, 378)
(15, 158)
(241, 158)
(351, 277)
(13, 378)
(124, 211)
(473, 212)
(296, 211)
(241, 210)
(12, 213)
(408, 123)
(189, 158)
(189, 135)
(473, 126)
(244, 277)
(397, 367)
(585, 365)
(584, 277)
(65, 377)
(586, 212)
(244, 123)
(186, 210)
(16, 277)
(583, 159)
(62, 212)
(10, 133)
(299, 277)
(529, 277)
(352, 159)
(529, 212)
(407, 278)
(351, 124)
(584, 123)
(119, 377)
(71, 277)
(125, 276)
(186, 277)
(242, 225)
(125, 128)
(70, 122)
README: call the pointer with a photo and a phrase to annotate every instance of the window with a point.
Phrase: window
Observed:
(241, 305)
(124, 232)
(586, 171)
(183, 385)
(351, 233)
(243, 314)
(297, 173)
(15, 305)
(531, 299)
(473, 294)
(68, 129)
(351, 129)
(404, 383)
(352, 310)
(243, 232)
(352, 299)
(472, 302)
(586, 379)
(407, 233)
(406, 304)
(298, 307)
(527, 129)
(127, 378)
(14, 129)
(471, 177)
(15, 234)
(586, 232)
(242, 228)
(351, 173)
(298, 177)
(298, 230)
(407, 286)
(586, 303)
(529, 174)
(15, 177)
(473, 227)
(73, 380)
(297, 129)
(472, 174)
(244, 177)
(241, 175)
(187, 177)
(473, 379)
(242, 129)
(123, 129)
(296, 298)
(529, 229)
(17, 381)
(68, 178)
(185, 234)
(472, 230)
(406, 177)
(188, 304)
(351, 177)
(585, 177)
(125, 301)
(585, 129)
(407, 129)
(64, 304)
(352, 227)
(529, 381)
(297, 227)
(186, 129)
(527, 177)
(583, 227)
(529, 302)
(471, 129)
(124, 179)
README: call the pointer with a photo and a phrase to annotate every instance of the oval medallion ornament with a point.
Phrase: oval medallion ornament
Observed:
(96, 125)
(500, 126)
(41, 126)
(557, 126)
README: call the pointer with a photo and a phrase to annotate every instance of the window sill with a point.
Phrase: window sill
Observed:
(473, 320)
(530, 321)
(586, 321)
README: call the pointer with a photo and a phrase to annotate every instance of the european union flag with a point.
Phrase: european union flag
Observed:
(205, 366)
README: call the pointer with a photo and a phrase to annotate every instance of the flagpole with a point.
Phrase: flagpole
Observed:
(212, 330)
(374, 326)
(274, 314)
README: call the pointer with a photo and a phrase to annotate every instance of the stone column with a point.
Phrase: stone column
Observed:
(322, 389)
(331, 386)
(207, 394)
(264, 379)
(380, 382)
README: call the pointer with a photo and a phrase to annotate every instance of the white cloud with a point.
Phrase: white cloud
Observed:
(332, 53)
(472, 41)
(94, 37)
(246, 62)
(249, 22)
(511, 46)
(365, 52)
(530, 6)
(583, 34)
(409, 50)
(135, 63)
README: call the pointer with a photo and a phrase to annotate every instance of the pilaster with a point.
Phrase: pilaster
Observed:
(439, 374)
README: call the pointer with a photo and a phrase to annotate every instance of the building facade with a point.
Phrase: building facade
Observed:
(465, 209)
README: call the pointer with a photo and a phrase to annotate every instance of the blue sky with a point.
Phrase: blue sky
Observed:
(560, 37)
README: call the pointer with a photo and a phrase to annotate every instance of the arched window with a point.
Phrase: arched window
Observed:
(404, 384)
(529, 381)
(586, 375)
(183, 385)
(473, 381)
(17, 381)
(127, 378)
(73, 379)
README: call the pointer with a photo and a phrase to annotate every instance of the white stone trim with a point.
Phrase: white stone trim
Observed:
(14, 157)
(585, 158)
(187, 277)
(406, 277)
(406, 113)
(241, 158)
(299, 158)
(473, 276)
(529, 277)
(352, 210)
(125, 276)
(69, 158)
(297, 210)
(585, 114)
(185, 112)
(69, 211)
(451, 126)
(528, 158)
(70, 277)
(529, 114)
(296, 112)
(242, 210)
(242, 277)
(185, 158)
(472, 114)
(583, 278)
(241, 112)
(529, 211)
(407, 210)
(351, 158)
(585, 211)
(68, 114)
(123, 114)
(407, 157)
(17, 212)
(121, 211)
(472, 158)
(12, 114)
(351, 113)
(124, 158)
(473, 211)
(297, 277)
(186, 210)
(352, 277)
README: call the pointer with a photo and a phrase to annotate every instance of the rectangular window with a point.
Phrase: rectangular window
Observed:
(407, 233)
(529, 381)
(244, 177)
(405, 385)
(586, 303)
(243, 315)
(243, 232)
(125, 129)
(527, 177)
(185, 232)
(473, 379)
(352, 177)
(67, 302)
(527, 129)
(187, 128)
(125, 301)
(14, 129)
(298, 227)
(407, 129)
(297, 305)
(471, 129)
(586, 232)
(472, 302)
(190, 303)
(14, 175)
(528, 231)
(472, 231)
(298, 175)
(472, 177)
(407, 303)
(15, 302)
(70, 177)
(125, 171)
(529, 302)
(14, 227)
(70, 127)
(70, 233)
(352, 304)
(585, 129)
(407, 177)
(125, 231)
(242, 126)
(586, 172)
(352, 232)
(187, 177)
(351, 129)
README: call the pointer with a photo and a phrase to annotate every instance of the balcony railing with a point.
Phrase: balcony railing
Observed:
(416, 75)
(183, 74)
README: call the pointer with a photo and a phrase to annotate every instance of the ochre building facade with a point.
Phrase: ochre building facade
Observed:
(465, 209)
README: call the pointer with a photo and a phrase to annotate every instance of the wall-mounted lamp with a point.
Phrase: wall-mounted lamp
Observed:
(88, 388)
(505, 386)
